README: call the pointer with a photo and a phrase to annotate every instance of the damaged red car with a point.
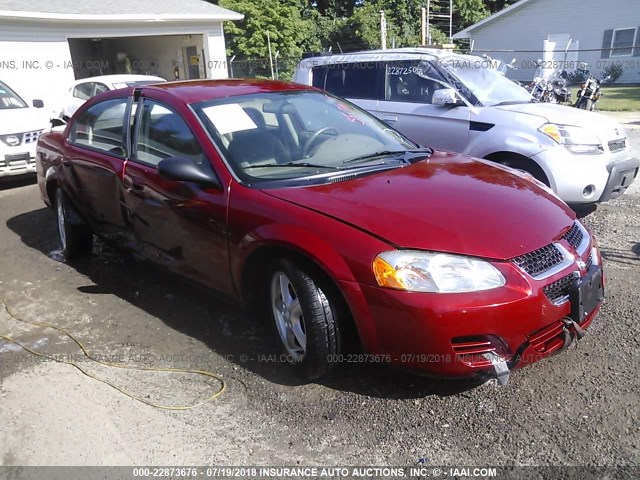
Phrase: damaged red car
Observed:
(346, 234)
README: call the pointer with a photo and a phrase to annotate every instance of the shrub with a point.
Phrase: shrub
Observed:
(614, 70)
(576, 77)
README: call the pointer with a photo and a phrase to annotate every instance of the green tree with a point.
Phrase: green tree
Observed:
(298, 26)
(497, 5)
(247, 39)
(468, 12)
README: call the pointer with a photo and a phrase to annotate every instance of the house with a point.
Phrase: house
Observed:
(45, 46)
(562, 34)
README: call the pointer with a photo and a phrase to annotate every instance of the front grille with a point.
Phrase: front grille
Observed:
(558, 291)
(574, 236)
(617, 145)
(30, 137)
(540, 260)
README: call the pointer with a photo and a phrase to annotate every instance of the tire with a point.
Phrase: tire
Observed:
(305, 318)
(585, 104)
(76, 238)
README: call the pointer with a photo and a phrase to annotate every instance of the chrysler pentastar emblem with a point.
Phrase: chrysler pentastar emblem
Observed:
(12, 141)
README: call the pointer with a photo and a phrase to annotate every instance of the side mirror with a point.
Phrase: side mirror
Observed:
(57, 122)
(444, 96)
(184, 170)
(38, 103)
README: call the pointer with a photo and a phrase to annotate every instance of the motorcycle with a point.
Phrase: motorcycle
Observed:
(561, 93)
(551, 90)
(590, 91)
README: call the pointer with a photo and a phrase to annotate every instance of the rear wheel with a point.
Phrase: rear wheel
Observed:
(305, 318)
(76, 238)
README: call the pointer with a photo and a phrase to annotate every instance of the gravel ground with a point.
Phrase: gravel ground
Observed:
(578, 408)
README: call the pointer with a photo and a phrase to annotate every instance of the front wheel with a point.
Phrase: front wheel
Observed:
(76, 238)
(305, 317)
(585, 104)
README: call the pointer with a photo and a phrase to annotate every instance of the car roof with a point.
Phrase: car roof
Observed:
(194, 91)
(119, 78)
(392, 54)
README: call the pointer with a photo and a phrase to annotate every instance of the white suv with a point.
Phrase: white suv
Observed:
(463, 104)
(20, 127)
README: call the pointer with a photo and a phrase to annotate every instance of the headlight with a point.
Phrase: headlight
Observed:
(416, 271)
(575, 139)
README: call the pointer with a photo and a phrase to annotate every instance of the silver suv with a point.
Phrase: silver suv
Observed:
(462, 104)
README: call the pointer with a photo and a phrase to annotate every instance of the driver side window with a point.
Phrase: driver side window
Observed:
(403, 84)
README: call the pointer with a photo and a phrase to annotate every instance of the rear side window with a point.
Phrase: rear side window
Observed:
(100, 127)
(163, 133)
(350, 80)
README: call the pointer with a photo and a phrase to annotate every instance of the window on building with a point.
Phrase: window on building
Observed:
(622, 42)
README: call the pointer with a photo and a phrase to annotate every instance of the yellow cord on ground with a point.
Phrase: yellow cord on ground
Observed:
(205, 373)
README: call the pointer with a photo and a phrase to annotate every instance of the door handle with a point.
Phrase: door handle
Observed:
(390, 118)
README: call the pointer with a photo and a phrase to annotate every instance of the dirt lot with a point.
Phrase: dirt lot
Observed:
(579, 408)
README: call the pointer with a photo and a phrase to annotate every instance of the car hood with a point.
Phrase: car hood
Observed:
(21, 120)
(449, 203)
(601, 126)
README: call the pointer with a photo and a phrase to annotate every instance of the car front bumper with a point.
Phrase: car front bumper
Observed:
(455, 335)
(580, 179)
(621, 176)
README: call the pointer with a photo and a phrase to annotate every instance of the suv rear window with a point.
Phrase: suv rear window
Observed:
(350, 80)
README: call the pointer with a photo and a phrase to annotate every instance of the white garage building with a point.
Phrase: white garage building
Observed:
(45, 45)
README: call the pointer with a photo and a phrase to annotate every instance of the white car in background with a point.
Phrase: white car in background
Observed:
(83, 90)
(20, 127)
(461, 103)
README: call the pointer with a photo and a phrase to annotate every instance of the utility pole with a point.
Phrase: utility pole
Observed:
(423, 27)
(383, 31)
(270, 55)
(450, 19)
(428, 20)
(231, 65)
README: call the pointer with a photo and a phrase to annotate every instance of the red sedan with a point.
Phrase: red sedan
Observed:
(347, 235)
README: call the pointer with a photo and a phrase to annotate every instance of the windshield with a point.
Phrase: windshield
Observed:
(488, 85)
(9, 98)
(293, 135)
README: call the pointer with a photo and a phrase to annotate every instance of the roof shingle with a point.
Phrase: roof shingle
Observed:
(181, 8)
